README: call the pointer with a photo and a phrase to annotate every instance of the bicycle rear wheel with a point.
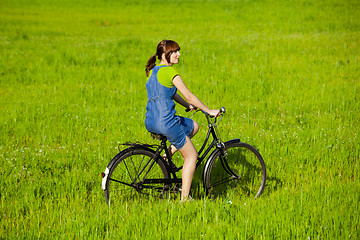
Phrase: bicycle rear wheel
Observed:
(132, 172)
(241, 172)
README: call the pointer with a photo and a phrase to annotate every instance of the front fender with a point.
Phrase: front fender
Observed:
(213, 154)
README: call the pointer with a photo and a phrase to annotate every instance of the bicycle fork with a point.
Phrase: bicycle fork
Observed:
(224, 162)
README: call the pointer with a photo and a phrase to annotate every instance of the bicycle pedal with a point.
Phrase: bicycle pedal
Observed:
(177, 188)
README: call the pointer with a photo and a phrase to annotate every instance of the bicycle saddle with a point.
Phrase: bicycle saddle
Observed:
(157, 136)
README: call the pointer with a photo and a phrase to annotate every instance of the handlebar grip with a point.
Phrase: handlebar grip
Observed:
(222, 110)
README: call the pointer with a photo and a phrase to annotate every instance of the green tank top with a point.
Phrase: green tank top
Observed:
(166, 75)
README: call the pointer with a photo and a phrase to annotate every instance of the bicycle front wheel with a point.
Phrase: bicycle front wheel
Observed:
(241, 171)
(134, 172)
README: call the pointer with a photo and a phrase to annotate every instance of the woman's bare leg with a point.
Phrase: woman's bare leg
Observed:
(172, 149)
(195, 129)
(190, 155)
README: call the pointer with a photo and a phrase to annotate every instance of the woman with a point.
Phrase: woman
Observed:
(163, 82)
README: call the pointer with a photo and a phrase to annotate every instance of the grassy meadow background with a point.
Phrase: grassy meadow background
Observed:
(72, 86)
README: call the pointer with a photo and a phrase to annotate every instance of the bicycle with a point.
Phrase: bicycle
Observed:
(141, 168)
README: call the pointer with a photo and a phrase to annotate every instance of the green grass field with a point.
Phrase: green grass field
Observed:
(72, 86)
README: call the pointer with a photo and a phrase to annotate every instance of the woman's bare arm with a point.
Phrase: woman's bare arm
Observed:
(190, 97)
(181, 101)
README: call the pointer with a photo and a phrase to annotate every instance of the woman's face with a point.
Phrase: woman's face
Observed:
(174, 57)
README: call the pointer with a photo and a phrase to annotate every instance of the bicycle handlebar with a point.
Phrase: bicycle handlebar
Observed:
(222, 110)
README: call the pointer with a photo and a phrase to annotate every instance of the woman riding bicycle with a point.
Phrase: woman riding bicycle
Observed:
(162, 85)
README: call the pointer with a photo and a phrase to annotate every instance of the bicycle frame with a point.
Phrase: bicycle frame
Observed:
(213, 130)
(202, 154)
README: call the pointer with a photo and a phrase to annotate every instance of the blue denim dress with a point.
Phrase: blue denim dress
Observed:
(160, 115)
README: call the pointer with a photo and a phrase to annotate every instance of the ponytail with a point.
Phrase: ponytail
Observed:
(150, 64)
(165, 46)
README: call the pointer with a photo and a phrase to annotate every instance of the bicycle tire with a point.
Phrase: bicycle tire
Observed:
(122, 180)
(245, 172)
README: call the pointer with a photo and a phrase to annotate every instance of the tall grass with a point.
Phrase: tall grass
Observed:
(72, 87)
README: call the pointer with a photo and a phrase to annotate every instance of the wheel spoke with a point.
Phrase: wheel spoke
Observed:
(137, 172)
(114, 180)
(127, 169)
(223, 181)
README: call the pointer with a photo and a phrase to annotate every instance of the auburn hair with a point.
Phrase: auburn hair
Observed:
(165, 46)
